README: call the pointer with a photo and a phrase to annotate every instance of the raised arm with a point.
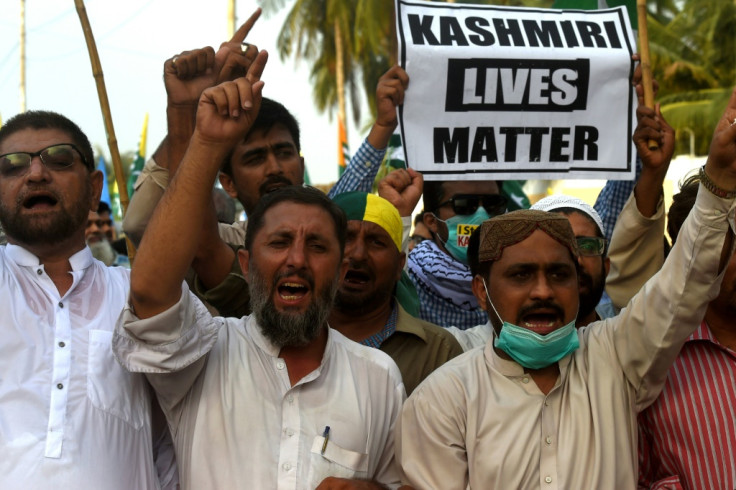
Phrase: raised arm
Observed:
(648, 334)
(363, 167)
(186, 76)
(224, 115)
(636, 251)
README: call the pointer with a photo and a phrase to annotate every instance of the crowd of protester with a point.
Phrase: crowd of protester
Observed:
(335, 341)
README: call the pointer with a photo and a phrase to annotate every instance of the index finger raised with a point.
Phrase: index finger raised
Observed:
(243, 30)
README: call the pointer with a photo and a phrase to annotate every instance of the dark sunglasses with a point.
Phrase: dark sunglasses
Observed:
(54, 157)
(465, 204)
(591, 246)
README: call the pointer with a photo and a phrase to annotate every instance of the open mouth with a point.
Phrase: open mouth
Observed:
(273, 183)
(40, 201)
(292, 291)
(356, 277)
(270, 188)
(540, 322)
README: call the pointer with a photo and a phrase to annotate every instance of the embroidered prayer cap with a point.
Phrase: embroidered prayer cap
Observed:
(511, 228)
(552, 203)
(362, 206)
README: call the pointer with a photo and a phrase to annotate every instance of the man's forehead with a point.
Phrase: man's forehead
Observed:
(288, 215)
(33, 139)
(370, 228)
(581, 223)
(451, 188)
(276, 135)
(537, 248)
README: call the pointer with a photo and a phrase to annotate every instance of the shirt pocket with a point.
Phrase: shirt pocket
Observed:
(335, 461)
(110, 388)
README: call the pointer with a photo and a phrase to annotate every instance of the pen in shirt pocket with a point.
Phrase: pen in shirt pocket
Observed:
(326, 435)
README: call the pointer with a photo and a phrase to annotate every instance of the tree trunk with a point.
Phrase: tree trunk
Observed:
(340, 73)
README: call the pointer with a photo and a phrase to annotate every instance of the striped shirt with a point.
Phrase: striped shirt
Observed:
(360, 172)
(387, 331)
(687, 437)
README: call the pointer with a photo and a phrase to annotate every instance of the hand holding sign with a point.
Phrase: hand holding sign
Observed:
(389, 95)
(721, 165)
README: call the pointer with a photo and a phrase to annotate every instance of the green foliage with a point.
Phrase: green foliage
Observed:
(692, 44)
(693, 51)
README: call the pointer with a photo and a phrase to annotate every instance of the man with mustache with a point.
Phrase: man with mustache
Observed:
(70, 416)
(275, 399)
(268, 157)
(545, 404)
(594, 265)
(366, 309)
(592, 246)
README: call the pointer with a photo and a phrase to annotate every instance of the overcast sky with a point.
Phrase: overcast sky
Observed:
(134, 38)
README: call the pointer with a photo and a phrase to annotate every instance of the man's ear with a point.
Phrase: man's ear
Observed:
(402, 263)
(606, 266)
(480, 292)
(243, 260)
(227, 183)
(96, 182)
(430, 221)
(301, 159)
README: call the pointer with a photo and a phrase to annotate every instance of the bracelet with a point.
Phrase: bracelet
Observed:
(712, 187)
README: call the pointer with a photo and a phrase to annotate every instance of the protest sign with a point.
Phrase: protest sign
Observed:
(509, 93)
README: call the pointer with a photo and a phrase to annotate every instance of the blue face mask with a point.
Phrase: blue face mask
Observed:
(459, 229)
(532, 350)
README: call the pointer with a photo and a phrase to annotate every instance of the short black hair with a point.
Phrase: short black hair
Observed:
(682, 203)
(103, 207)
(270, 114)
(432, 195)
(50, 120)
(308, 196)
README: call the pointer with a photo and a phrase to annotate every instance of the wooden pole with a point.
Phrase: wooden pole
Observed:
(646, 67)
(112, 142)
(22, 56)
(230, 18)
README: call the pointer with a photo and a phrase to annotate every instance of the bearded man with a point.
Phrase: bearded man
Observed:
(70, 416)
(276, 399)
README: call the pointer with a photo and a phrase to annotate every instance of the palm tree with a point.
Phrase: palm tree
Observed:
(694, 60)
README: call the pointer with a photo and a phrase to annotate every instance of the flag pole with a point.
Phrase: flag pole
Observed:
(22, 55)
(112, 142)
(646, 66)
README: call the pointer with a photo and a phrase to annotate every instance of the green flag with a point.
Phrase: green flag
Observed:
(140, 159)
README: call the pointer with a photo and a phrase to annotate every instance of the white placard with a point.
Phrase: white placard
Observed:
(516, 93)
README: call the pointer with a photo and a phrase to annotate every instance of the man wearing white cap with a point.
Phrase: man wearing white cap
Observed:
(589, 233)
(593, 247)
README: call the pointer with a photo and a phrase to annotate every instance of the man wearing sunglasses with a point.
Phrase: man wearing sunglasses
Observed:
(439, 267)
(70, 416)
(592, 247)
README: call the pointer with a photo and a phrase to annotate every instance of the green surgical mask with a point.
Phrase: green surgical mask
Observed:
(530, 349)
(459, 229)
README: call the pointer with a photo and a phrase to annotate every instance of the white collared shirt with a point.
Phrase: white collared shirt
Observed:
(480, 421)
(236, 420)
(70, 416)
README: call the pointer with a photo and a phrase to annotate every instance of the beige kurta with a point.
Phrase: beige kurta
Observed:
(479, 420)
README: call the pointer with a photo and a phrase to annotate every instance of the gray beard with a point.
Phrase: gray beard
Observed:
(285, 329)
(103, 252)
